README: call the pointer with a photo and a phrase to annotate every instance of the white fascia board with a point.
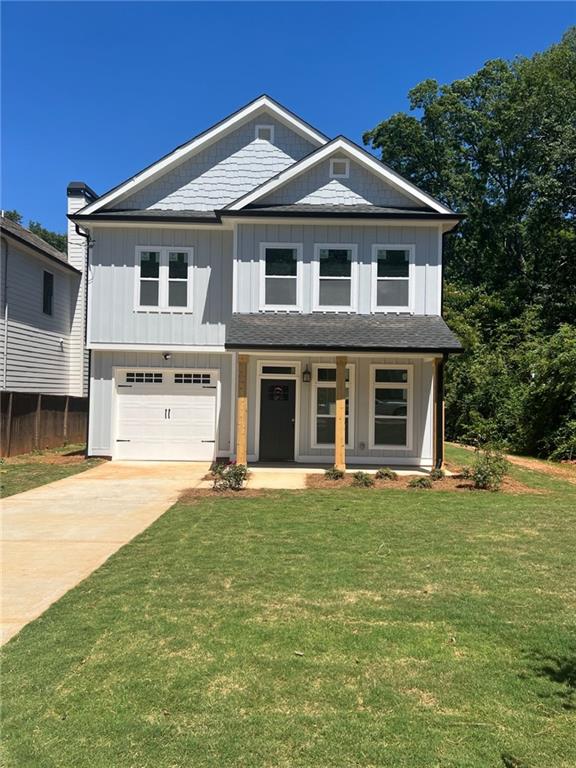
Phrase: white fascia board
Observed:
(110, 347)
(340, 221)
(338, 145)
(192, 147)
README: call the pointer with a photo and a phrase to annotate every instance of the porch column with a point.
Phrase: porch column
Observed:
(242, 411)
(438, 412)
(340, 427)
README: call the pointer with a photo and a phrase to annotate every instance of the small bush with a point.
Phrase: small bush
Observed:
(334, 474)
(362, 480)
(229, 477)
(420, 482)
(385, 473)
(487, 470)
(437, 474)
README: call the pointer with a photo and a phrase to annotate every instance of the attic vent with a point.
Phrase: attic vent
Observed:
(265, 133)
(339, 168)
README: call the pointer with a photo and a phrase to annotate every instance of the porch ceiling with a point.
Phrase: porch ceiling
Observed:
(326, 331)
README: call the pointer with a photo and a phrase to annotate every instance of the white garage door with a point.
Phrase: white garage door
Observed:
(166, 415)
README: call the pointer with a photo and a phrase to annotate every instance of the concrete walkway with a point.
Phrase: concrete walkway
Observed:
(56, 535)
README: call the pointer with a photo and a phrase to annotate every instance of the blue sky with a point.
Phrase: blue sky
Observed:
(96, 91)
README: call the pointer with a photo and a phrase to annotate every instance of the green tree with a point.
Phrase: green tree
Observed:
(55, 239)
(13, 216)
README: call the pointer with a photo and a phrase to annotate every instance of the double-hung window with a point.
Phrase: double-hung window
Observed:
(324, 406)
(391, 407)
(392, 278)
(163, 279)
(335, 277)
(281, 265)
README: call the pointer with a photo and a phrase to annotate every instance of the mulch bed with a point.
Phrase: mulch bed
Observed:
(447, 484)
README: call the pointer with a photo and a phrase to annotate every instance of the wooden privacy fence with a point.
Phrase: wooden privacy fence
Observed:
(33, 421)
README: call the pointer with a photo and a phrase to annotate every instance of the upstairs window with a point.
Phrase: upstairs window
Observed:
(163, 279)
(393, 273)
(281, 266)
(265, 133)
(48, 293)
(335, 279)
(339, 168)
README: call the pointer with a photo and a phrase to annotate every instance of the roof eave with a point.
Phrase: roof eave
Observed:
(54, 259)
(344, 348)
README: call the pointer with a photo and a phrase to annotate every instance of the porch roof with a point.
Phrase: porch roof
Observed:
(339, 331)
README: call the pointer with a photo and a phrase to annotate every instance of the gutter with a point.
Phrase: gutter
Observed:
(86, 263)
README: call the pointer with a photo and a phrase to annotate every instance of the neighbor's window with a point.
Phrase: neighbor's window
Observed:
(339, 168)
(281, 275)
(48, 293)
(164, 279)
(336, 272)
(265, 133)
(324, 406)
(393, 267)
(391, 405)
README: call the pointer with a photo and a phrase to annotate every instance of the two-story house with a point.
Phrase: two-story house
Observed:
(265, 293)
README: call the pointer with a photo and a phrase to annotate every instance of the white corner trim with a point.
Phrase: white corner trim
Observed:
(411, 248)
(299, 248)
(195, 145)
(339, 145)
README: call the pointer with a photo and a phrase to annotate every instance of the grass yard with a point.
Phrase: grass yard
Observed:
(21, 473)
(310, 629)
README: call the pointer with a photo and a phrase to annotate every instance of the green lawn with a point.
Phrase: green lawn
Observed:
(313, 629)
(22, 473)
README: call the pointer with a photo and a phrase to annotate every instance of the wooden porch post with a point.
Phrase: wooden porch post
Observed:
(242, 411)
(340, 430)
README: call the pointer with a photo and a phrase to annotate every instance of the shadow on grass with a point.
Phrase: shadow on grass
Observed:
(560, 670)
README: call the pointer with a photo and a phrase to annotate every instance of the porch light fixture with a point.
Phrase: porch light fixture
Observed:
(306, 375)
(166, 355)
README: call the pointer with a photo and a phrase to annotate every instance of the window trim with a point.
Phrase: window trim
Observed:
(352, 307)
(315, 384)
(268, 127)
(411, 248)
(298, 247)
(333, 174)
(409, 386)
(163, 279)
(44, 312)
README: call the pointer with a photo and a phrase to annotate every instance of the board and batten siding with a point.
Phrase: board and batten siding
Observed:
(224, 171)
(38, 346)
(112, 316)
(315, 187)
(102, 412)
(428, 271)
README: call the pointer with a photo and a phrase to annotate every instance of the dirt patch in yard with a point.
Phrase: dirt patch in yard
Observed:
(56, 457)
(401, 484)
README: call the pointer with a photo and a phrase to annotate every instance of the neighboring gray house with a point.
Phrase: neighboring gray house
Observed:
(267, 294)
(41, 342)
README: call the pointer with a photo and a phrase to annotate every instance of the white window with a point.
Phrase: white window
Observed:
(324, 405)
(281, 275)
(163, 279)
(391, 406)
(265, 133)
(392, 278)
(339, 168)
(192, 377)
(335, 273)
(143, 377)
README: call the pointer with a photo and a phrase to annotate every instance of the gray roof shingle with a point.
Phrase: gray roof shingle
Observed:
(382, 332)
(148, 214)
(17, 231)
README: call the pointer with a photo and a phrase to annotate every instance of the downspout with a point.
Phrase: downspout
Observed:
(439, 415)
(89, 243)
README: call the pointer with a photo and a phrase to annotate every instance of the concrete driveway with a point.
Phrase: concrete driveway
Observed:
(56, 535)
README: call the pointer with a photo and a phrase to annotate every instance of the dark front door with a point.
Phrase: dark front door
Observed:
(277, 416)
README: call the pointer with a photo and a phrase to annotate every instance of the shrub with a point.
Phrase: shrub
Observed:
(229, 477)
(437, 474)
(334, 474)
(420, 482)
(362, 480)
(385, 473)
(487, 469)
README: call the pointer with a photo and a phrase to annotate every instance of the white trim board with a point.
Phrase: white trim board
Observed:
(177, 156)
(342, 145)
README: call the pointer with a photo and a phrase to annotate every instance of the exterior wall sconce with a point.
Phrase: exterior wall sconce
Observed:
(306, 375)
(166, 355)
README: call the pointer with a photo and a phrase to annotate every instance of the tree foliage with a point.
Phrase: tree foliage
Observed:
(55, 239)
(500, 147)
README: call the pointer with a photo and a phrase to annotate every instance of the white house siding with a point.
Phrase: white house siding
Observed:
(427, 259)
(224, 171)
(38, 346)
(102, 413)
(315, 187)
(421, 451)
(77, 258)
(112, 317)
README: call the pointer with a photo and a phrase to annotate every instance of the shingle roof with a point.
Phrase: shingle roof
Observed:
(383, 332)
(23, 235)
(149, 214)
